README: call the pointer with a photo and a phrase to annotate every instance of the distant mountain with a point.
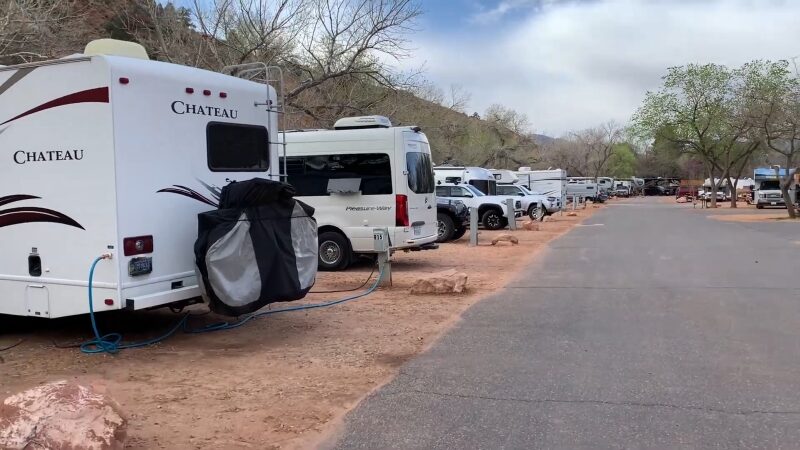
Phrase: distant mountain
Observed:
(541, 139)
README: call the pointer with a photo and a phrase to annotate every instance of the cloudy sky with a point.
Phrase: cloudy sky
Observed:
(574, 64)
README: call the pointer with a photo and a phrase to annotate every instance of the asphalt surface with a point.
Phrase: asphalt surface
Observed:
(651, 327)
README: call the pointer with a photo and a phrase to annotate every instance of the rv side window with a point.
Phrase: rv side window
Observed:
(237, 148)
(310, 174)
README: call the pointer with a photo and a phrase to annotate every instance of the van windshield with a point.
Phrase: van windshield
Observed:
(420, 172)
(771, 185)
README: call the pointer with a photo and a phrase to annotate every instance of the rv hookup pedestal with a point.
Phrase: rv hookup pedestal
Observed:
(512, 219)
(473, 226)
(380, 237)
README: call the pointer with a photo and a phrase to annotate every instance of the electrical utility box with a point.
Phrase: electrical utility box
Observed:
(380, 237)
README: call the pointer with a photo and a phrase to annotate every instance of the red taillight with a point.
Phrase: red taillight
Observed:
(137, 245)
(401, 211)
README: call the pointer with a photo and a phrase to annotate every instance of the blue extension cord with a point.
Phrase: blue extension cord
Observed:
(112, 342)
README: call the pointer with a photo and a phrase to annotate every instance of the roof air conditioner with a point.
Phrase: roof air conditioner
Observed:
(116, 48)
(356, 123)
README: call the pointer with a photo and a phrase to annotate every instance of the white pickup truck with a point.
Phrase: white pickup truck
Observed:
(530, 200)
(492, 210)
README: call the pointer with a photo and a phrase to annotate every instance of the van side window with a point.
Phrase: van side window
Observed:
(310, 174)
(237, 148)
(443, 191)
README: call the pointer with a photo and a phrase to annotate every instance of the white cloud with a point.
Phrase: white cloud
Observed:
(574, 65)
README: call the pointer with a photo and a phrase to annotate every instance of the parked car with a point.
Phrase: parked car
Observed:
(453, 219)
(491, 208)
(621, 191)
(654, 190)
(530, 201)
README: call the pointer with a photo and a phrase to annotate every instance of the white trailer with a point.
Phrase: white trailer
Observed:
(110, 153)
(481, 178)
(552, 182)
(364, 174)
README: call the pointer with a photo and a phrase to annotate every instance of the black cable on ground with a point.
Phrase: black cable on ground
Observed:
(349, 290)
(2, 349)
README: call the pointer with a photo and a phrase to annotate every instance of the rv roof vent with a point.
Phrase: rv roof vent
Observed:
(355, 123)
(525, 169)
(115, 47)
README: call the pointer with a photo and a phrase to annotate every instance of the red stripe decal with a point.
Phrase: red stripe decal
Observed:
(97, 95)
(16, 216)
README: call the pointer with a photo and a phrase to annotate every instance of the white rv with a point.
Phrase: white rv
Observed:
(481, 178)
(361, 175)
(552, 183)
(110, 153)
(583, 188)
(767, 187)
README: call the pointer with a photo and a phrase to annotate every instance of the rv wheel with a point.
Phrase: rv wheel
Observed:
(492, 220)
(334, 251)
(445, 229)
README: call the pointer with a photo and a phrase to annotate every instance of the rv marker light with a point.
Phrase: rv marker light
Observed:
(124, 80)
(109, 302)
(206, 92)
(190, 90)
(223, 95)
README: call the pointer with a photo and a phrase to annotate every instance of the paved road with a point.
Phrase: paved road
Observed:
(655, 328)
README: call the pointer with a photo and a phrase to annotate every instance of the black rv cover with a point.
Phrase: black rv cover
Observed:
(259, 247)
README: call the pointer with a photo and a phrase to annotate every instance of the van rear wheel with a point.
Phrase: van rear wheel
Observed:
(334, 251)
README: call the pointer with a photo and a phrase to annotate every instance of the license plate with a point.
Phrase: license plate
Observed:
(417, 230)
(773, 203)
(140, 266)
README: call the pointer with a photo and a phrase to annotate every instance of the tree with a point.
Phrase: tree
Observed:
(35, 30)
(598, 145)
(622, 163)
(507, 118)
(773, 100)
(701, 106)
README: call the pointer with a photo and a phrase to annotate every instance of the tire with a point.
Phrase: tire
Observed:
(445, 227)
(759, 206)
(493, 219)
(534, 214)
(459, 232)
(334, 251)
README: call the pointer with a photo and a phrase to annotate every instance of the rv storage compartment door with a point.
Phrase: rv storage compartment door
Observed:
(259, 247)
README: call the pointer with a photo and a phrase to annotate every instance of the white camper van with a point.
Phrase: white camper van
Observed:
(481, 178)
(110, 153)
(361, 175)
(552, 183)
